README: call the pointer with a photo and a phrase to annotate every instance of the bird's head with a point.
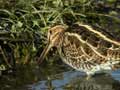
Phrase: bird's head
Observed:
(54, 39)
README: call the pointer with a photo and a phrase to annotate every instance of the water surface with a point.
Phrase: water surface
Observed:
(57, 77)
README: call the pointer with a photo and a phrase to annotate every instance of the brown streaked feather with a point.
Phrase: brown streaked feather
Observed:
(91, 50)
(101, 44)
(71, 50)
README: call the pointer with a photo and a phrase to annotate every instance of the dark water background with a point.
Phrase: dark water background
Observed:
(57, 77)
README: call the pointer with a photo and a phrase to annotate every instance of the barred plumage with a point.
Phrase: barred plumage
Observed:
(84, 48)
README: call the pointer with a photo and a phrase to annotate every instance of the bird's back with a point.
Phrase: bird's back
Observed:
(88, 50)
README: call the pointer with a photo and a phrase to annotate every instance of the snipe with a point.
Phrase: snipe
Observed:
(84, 48)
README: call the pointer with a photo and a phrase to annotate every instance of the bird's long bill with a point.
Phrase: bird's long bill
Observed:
(44, 53)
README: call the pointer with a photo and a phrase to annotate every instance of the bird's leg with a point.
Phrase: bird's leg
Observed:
(88, 77)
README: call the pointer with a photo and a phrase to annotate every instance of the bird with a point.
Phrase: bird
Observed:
(84, 48)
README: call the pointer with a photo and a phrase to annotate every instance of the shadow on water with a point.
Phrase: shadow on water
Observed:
(57, 78)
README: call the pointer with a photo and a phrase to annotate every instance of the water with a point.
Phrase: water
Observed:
(59, 77)
(73, 80)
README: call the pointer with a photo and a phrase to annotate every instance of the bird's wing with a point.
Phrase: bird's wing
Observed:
(103, 43)
(73, 52)
(90, 44)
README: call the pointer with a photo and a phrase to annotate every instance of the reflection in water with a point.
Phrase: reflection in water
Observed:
(101, 82)
(77, 81)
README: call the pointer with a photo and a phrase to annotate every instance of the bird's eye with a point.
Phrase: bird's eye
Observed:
(50, 32)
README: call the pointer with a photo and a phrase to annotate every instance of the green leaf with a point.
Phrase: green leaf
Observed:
(35, 23)
(2, 67)
(19, 24)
